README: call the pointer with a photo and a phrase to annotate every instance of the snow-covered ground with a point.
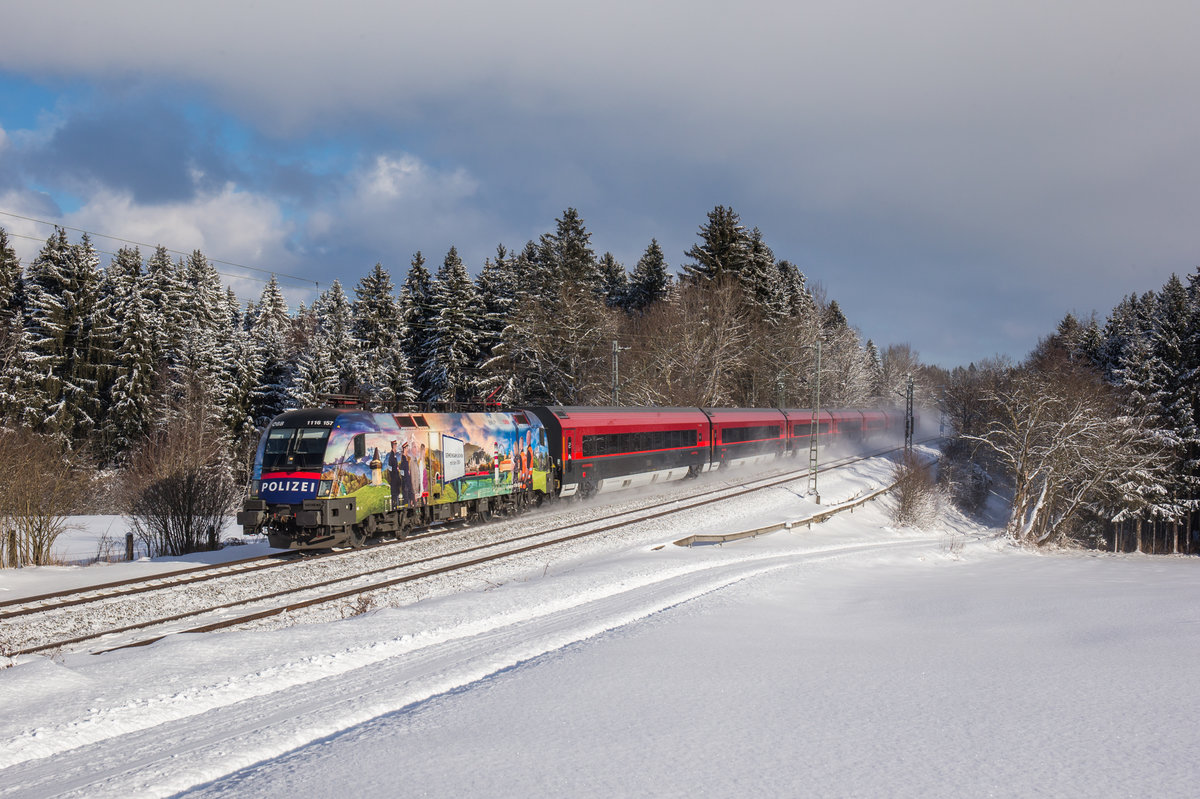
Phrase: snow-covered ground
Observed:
(92, 548)
(852, 659)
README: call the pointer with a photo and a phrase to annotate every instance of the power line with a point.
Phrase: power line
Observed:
(154, 246)
(114, 255)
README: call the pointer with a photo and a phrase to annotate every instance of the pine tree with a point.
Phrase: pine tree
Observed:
(335, 320)
(62, 292)
(132, 397)
(614, 283)
(167, 298)
(723, 251)
(18, 376)
(270, 335)
(386, 379)
(833, 319)
(23, 380)
(200, 350)
(394, 376)
(1139, 376)
(1178, 387)
(567, 258)
(650, 281)
(12, 291)
(800, 301)
(314, 378)
(453, 349)
(764, 293)
(243, 380)
(879, 390)
(419, 314)
(497, 290)
(516, 287)
(116, 304)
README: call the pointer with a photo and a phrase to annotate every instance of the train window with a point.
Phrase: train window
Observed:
(404, 421)
(738, 435)
(520, 418)
(293, 449)
(806, 429)
(646, 441)
(419, 421)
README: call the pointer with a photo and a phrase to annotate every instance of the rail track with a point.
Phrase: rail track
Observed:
(133, 613)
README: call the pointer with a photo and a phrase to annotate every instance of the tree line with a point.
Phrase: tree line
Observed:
(107, 363)
(1095, 434)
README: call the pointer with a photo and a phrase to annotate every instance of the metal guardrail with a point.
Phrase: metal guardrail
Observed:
(816, 518)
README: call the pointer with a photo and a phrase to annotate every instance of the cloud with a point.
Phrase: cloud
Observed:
(391, 206)
(996, 147)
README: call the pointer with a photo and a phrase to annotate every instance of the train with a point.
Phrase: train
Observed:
(334, 478)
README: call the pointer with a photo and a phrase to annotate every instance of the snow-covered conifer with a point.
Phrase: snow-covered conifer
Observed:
(650, 280)
(132, 395)
(614, 283)
(62, 291)
(335, 320)
(567, 256)
(723, 250)
(12, 292)
(315, 376)
(418, 314)
(380, 332)
(270, 335)
(764, 292)
(453, 349)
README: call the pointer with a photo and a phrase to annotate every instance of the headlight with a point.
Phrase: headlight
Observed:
(254, 484)
(325, 487)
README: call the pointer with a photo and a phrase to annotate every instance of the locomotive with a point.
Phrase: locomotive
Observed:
(328, 478)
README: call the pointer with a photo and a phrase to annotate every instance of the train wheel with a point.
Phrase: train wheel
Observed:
(586, 490)
(358, 538)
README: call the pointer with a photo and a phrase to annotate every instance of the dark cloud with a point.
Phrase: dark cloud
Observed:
(996, 162)
(138, 143)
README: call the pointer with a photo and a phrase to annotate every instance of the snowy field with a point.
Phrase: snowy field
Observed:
(852, 659)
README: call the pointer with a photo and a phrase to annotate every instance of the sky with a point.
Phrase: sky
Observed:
(998, 163)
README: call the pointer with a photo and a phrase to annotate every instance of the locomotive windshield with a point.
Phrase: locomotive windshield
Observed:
(295, 449)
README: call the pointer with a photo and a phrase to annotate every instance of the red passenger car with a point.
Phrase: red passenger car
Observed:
(747, 435)
(607, 449)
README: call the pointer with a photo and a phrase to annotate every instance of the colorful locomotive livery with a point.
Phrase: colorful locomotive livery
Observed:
(325, 478)
(346, 477)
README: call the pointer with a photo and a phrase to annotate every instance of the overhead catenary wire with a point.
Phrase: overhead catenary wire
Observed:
(155, 246)
(231, 275)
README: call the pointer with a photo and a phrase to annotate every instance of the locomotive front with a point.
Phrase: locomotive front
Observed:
(288, 497)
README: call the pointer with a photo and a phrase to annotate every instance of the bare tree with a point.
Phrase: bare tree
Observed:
(918, 496)
(1063, 441)
(38, 493)
(693, 349)
(179, 488)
